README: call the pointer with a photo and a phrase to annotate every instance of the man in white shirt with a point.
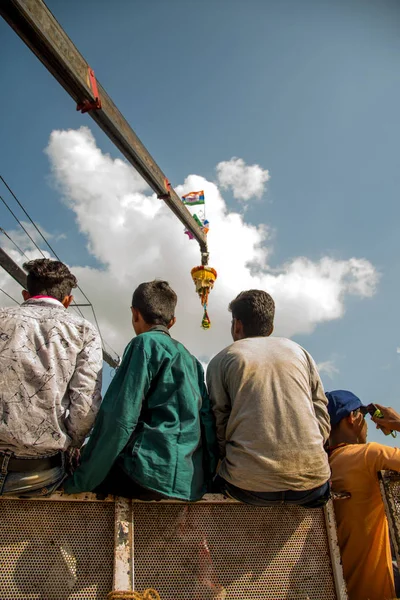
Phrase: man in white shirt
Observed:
(50, 381)
(271, 412)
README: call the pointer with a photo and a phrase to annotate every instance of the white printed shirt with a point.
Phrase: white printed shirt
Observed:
(50, 377)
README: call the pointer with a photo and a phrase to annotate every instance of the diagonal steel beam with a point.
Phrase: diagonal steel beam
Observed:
(35, 24)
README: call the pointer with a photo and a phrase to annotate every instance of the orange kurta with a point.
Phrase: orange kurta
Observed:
(362, 526)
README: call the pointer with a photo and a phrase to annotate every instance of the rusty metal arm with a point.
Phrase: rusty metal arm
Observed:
(12, 268)
(20, 277)
(37, 27)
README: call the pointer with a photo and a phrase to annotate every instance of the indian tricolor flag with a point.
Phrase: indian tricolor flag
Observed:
(193, 198)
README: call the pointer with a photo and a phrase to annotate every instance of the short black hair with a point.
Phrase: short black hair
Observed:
(336, 426)
(156, 302)
(49, 278)
(256, 310)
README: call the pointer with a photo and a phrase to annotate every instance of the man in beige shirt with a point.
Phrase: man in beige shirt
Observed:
(271, 412)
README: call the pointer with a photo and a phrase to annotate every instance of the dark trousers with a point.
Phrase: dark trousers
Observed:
(309, 498)
(118, 483)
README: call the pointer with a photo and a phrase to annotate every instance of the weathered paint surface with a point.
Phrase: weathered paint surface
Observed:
(390, 490)
(123, 554)
(336, 560)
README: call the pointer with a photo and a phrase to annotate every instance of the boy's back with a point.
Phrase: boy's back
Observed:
(165, 452)
(155, 422)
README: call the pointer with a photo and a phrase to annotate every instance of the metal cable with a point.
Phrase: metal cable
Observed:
(32, 240)
(12, 241)
(41, 234)
(28, 216)
(50, 248)
(16, 301)
(22, 227)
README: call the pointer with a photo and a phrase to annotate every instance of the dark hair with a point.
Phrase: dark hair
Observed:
(155, 301)
(49, 278)
(256, 310)
(336, 426)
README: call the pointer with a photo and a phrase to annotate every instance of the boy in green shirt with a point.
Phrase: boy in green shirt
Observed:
(154, 436)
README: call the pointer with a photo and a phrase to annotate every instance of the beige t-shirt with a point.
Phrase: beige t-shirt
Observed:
(271, 415)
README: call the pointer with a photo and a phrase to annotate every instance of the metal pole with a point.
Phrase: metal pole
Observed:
(12, 268)
(37, 27)
(123, 580)
(336, 561)
(20, 277)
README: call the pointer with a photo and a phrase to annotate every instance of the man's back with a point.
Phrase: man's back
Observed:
(50, 363)
(271, 415)
(361, 521)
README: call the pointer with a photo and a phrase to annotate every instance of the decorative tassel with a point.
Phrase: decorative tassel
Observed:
(205, 323)
(204, 278)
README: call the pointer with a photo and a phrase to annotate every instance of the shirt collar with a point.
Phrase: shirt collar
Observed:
(43, 300)
(160, 328)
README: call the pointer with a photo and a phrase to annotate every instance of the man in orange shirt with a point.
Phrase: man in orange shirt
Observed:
(361, 521)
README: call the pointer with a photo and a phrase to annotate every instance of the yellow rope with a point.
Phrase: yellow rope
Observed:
(147, 595)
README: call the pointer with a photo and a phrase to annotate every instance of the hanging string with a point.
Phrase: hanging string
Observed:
(205, 323)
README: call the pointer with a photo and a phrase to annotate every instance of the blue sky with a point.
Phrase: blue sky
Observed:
(309, 91)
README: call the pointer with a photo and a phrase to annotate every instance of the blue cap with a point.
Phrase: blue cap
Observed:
(341, 404)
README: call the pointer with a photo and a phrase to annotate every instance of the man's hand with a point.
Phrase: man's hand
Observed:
(72, 459)
(390, 421)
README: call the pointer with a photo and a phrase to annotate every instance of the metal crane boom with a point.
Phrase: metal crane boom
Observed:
(37, 27)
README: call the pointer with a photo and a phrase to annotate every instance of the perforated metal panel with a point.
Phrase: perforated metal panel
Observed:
(204, 552)
(56, 550)
(390, 489)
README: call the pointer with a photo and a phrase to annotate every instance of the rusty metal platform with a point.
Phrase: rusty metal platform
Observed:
(75, 547)
(56, 550)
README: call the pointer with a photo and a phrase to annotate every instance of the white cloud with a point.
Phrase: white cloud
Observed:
(398, 350)
(328, 367)
(137, 238)
(246, 181)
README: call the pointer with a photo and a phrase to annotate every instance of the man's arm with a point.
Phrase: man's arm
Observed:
(84, 390)
(319, 400)
(208, 431)
(220, 401)
(116, 420)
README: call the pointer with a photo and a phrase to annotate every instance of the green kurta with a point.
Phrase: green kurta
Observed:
(156, 420)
